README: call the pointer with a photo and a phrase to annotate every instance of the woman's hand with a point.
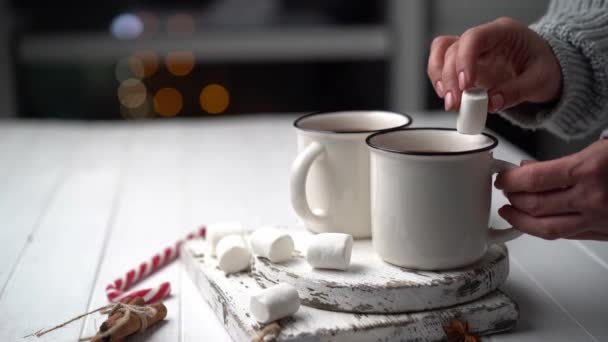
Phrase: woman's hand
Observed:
(513, 62)
(562, 198)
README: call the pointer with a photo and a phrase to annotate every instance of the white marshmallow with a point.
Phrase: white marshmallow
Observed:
(274, 303)
(233, 254)
(330, 250)
(272, 244)
(215, 232)
(473, 111)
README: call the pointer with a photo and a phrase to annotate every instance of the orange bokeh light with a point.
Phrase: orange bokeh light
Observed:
(149, 59)
(214, 99)
(168, 102)
(180, 63)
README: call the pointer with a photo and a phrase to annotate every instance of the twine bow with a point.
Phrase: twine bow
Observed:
(142, 312)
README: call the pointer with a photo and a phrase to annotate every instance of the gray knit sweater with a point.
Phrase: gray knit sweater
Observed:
(577, 31)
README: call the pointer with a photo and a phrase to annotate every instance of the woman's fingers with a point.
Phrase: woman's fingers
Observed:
(436, 61)
(518, 89)
(449, 78)
(546, 227)
(539, 177)
(537, 204)
(477, 41)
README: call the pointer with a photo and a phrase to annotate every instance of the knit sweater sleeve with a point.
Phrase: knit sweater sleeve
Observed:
(577, 31)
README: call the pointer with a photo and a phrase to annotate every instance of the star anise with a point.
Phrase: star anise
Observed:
(458, 331)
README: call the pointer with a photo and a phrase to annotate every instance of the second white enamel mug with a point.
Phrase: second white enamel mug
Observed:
(330, 176)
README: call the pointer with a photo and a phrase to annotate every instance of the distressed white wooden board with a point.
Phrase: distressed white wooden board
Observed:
(229, 298)
(371, 285)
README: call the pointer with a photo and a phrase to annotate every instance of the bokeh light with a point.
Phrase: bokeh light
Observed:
(168, 102)
(129, 67)
(149, 59)
(214, 99)
(126, 26)
(132, 93)
(181, 23)
(180, 63)
(141, 112)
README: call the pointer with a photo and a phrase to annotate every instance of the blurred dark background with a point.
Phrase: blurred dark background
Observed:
(146, 59)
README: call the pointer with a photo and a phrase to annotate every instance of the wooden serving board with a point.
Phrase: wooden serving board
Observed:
(371, 285)
(228, 296)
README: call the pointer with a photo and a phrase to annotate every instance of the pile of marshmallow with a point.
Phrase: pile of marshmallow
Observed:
(228, 243)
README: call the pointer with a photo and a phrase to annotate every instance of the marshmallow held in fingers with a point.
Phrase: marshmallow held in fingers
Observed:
(216, 231)
(473, 111)
(274, 303)
(272, 244)
(330, 250)
(233, 254)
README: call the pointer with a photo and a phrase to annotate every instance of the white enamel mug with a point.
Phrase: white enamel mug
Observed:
(431, 197)
(330, 184)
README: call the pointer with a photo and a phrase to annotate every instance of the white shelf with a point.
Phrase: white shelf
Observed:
(279, 44)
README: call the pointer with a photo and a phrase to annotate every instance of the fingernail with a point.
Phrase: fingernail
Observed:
(439, 87)
(462, 80)
(497, 102)
(448, 100)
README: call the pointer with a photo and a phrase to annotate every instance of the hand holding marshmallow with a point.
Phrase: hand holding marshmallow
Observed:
(473, 111)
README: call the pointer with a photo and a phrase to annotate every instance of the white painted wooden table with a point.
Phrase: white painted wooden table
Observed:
(80, 203)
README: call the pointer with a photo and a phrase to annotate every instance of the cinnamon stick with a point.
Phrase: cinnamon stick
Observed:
(133, 325)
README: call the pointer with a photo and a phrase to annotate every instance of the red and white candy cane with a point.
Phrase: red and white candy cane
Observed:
(116, 291)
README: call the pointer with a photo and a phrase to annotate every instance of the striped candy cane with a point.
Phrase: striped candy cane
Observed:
(116, 291)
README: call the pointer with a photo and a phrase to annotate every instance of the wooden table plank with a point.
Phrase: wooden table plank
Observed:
(28, 186)
(239, 170)
(18, 150)
(148, 218)
(15, 139)
(568, 276)
(597, 250)
(541, 319)
(54, 276)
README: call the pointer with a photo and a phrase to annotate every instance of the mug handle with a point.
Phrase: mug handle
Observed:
(502, 235)
(299, 173)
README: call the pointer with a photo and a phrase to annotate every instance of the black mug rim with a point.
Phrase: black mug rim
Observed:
(371, 145)
(303, 117)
